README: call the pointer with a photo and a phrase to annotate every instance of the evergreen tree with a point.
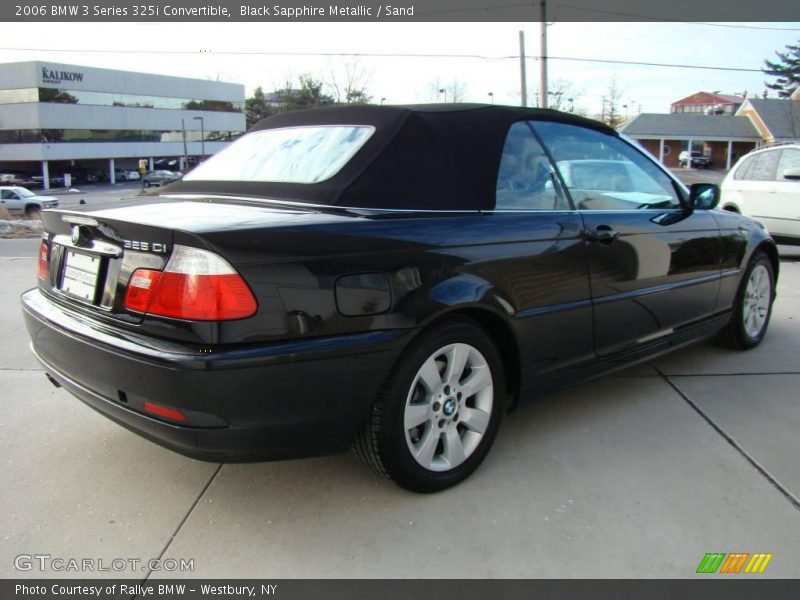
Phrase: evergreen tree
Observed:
(786, 71)
(256, 107)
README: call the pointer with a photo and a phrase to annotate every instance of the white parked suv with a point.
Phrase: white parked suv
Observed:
(21, 201)
(765, 185)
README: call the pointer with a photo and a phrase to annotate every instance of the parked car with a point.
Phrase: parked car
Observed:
(21, 201)
(765, 185)
(18, 179)
(126, 175)
(160, 177)
(87, 175)
(386, 278)
(699, 160)
(55, 181)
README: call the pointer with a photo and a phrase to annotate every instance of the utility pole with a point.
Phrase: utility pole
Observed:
(523, 79)
(543, 58)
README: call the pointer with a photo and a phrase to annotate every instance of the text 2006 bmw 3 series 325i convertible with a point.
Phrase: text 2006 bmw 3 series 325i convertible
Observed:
(390, 278)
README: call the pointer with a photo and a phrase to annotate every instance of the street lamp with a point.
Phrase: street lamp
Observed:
(491, 95)
(444, 91)
(202, 137)
(383, 100)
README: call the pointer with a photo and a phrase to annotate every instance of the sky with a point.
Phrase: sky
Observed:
(199, 50)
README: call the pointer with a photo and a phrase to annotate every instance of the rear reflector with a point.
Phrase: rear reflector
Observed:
(173, 414)
(43, 270)
(140, 289)
(196, 285)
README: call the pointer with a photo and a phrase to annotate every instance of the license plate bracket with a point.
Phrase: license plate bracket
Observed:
(80, 275)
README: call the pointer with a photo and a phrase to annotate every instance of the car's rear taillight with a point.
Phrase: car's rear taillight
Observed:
(196, 285)
(43, 268)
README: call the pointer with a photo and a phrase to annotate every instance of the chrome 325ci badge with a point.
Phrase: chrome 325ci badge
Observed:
(142, 246)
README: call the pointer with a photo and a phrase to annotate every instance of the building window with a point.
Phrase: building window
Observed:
(22, 96)
(75, 136)
(60, 96)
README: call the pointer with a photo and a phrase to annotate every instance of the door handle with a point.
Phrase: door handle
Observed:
(603, 234)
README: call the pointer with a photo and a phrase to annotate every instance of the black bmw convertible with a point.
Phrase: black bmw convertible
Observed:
(390, 278)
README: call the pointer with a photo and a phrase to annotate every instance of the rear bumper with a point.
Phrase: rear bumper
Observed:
(253, 402)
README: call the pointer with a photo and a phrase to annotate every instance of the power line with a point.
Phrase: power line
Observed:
(261, 53)
(666, 20)
(385, 55)
(728, 25)
(652, 64)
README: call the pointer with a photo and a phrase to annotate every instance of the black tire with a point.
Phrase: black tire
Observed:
(738, 334)
(384, 444)
(33, 212)
(147, 184)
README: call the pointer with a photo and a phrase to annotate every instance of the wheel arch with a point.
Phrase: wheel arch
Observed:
(499, 331)
(769, 248)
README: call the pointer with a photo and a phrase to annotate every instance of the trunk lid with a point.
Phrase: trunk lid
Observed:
(92, 252)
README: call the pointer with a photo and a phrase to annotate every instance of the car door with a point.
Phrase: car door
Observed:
(11, 201)
(783, 219)
(539, 259)
(753, 185)
(654, 265)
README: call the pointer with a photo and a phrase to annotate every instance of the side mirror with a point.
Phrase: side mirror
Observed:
(792, 173)
(704, 196)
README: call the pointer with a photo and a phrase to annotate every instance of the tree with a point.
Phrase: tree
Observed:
(561, 95)
(351, 86)
(308, 95)
(256, 107)
(611, 112)
(455, 91)
(786, 71)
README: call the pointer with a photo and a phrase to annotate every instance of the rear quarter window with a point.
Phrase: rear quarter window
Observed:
(759, 167)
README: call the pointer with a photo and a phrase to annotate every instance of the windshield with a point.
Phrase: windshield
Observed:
(24, 193)
(289, 155)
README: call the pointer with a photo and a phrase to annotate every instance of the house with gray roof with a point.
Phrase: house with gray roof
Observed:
(777, 120)
(723, 138)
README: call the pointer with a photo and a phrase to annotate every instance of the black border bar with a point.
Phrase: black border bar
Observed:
(397, 10)
(705, 587)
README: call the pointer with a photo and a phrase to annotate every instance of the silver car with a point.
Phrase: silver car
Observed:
(21, 201)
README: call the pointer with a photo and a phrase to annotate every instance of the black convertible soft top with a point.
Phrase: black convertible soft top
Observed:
(429, 157)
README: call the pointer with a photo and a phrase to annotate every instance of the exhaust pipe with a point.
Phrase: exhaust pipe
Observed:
(52, 380)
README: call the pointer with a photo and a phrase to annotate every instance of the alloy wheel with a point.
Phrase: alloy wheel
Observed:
(757, 298)
(448, 407)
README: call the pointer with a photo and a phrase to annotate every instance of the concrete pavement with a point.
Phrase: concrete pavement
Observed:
(633, 475)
